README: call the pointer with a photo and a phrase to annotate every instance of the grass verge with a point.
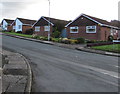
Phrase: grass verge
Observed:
(18, 34)
(110, 48)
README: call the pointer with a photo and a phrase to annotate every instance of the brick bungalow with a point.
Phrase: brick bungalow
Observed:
(6, 24)
(21, 25)
(90, 27)
(41, 27)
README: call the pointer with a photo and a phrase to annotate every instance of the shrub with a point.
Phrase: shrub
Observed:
(80, 40)
(35, 36)
(55, 39)
(73, 41)
(110, 38)
(91, 41)
(56, 34)
(19, 32)
(66, 41)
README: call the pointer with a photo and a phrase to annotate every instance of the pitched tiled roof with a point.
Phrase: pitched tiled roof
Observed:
(94, 19)
(54, 21)
(9, 21)
(27, 21)
(44, 20)
(99, 20)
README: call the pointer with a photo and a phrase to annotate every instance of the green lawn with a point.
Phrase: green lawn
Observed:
(18, 34)
(111, 48)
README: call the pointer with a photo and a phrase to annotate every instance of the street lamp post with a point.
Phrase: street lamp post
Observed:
(49, 23)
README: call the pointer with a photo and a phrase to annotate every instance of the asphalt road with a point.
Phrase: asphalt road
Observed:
(57, 69)
(0, 73)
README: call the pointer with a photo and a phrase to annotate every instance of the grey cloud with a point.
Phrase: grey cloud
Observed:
(12, 8)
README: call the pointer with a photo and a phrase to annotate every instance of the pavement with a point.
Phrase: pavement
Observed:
(80, 47)
(16, 73)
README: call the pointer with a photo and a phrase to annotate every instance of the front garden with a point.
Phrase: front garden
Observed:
(94, 44)
(56, 39)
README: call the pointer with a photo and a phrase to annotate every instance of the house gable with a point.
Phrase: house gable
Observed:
(82, 21)
(41, 22)
(18, 25)
(93, 19)
(4, 25)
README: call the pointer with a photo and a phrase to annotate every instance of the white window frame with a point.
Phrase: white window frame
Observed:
(90, 27)
(46, 28)
(37, 28)
(74, 27)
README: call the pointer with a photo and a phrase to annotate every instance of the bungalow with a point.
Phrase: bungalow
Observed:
(90, 27)
(21, 25)
(41, 27)
(6, 24)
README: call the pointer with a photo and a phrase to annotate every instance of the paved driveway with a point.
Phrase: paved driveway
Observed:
(57, 69)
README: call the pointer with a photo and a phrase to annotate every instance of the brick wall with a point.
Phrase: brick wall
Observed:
(9, 28)
(82, 33)
(102, 33)
(24, 28)
(42, 32)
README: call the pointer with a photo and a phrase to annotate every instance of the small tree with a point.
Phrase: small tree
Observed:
(55, 33)
(59, 26)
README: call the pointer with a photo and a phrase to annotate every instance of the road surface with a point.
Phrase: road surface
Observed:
(57, 69)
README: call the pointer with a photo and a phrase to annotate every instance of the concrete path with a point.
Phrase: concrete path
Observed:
(16, 73)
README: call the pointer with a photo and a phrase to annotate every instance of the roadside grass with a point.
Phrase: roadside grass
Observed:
(18, 34)
(110, 48)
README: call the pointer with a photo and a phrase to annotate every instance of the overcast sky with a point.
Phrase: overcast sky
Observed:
(60, 9)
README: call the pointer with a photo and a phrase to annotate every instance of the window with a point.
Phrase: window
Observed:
(47, 28)
(37, 28)
(74, 29)
(90, 29)
(19, 26)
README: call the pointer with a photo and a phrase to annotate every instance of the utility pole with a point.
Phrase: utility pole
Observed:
(49, 23)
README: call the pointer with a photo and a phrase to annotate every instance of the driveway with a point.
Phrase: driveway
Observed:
(57, 69)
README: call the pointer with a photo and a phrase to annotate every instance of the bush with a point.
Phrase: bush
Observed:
(65, 40)
(56, 34)
(91, 41)
(29, 31)
(110, 38)
(73, 41)
(35, 36)
(55, 39)
(80, 40)
(19, 32)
